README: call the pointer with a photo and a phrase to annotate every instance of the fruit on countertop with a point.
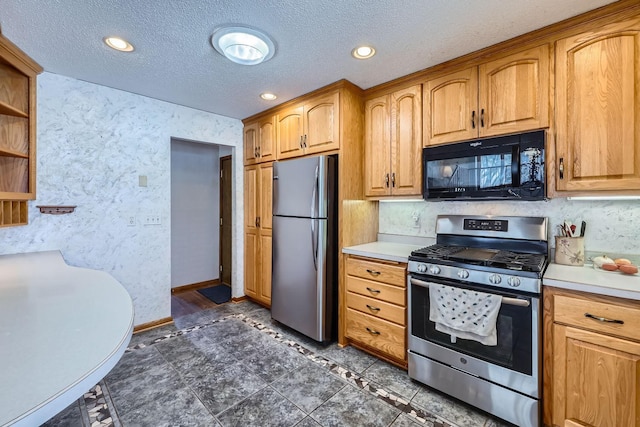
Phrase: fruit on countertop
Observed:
(628, 268)
(600, 260)
(610, 266)
(622, 261)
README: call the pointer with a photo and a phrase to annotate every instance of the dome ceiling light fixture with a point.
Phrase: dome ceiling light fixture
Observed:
(363, 52)
(243, 45)
(118, 43)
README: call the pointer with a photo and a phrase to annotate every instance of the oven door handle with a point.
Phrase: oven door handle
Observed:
(505, 300)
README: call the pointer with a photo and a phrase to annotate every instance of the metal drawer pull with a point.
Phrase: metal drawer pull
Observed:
(373, 272)
(505, 300)
(372, 308)
(372, 331)
(604, 319)
(373, 291)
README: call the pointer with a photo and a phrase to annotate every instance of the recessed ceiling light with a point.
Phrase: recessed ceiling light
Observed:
(118, 44)
(268, 96)
(363, 52)
(243, 45)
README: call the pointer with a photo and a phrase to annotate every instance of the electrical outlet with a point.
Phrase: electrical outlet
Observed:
(131, 220)
(152, 219)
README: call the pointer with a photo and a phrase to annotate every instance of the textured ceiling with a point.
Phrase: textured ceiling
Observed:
(175, 62)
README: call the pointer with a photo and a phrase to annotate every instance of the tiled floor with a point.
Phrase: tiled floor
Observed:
(233, 366)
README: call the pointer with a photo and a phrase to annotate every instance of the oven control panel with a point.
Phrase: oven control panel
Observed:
(486, 224)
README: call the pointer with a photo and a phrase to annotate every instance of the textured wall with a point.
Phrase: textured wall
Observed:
(612, 226)
(93, 142)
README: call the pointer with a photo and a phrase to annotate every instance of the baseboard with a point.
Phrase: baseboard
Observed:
(239, 299)
(151, 325)
(195, 286)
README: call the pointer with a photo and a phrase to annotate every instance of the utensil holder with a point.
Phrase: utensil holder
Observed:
(570, 251)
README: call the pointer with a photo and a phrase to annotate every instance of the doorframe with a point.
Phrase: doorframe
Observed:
(228, 158)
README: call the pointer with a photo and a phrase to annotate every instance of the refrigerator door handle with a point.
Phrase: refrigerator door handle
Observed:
(314, 244)
(314, 195)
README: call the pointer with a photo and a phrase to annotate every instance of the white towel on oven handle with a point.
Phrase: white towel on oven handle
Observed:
(463, 313)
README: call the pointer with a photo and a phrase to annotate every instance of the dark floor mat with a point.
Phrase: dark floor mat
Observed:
(218, 294)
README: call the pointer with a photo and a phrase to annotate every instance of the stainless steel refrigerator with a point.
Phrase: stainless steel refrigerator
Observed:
(304, 280)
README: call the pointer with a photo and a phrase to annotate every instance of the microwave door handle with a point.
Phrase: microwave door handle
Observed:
(515, 165)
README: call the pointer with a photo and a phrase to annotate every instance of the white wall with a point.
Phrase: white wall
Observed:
(195, 209)
(612, 226)
(93, 143)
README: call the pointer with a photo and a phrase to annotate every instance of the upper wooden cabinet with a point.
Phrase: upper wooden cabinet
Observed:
(598, 109)
(309, 128)
(393, 144)
(507, 95)
(17, 133)
(259, 141)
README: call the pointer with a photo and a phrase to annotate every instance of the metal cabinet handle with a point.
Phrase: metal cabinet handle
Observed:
(372, 331)
(372, 308)
(305, 141)
(300, 141)
(561, 168)
(604, 319)
(473, 119)
(259, 154)
(393, 180)
(386, 180)
(258, 222)
(482, 118)
(373, 291)
(373, 272)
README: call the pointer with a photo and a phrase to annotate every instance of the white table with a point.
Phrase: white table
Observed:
(62, 329)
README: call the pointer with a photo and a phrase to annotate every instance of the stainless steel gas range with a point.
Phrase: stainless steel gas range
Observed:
(504, 256)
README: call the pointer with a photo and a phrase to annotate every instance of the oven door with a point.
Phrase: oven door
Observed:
(512, 363)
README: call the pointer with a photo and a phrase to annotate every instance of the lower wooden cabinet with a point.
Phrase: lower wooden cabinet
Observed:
(595, 360)
(376, 314)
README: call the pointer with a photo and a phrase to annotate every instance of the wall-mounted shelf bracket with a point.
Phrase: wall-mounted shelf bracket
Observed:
(56, 209)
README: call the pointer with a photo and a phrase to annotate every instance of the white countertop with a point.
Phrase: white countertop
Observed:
(587, 279)
(62, 329)
(388, 251)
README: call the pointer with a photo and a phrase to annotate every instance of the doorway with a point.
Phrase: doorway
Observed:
(226, 216)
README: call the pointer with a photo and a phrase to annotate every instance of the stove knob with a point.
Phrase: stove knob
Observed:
(422, 268)
(434, 269)
(514, 282)
(463, 274)
(495, 279)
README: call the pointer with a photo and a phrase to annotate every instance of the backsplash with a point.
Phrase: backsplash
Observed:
(612, 226)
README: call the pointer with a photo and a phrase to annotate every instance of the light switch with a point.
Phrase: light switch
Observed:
(142, 180)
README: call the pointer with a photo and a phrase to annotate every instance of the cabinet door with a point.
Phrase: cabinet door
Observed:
(289, 132)
(265, 195)
(251, 263)
(251, 136)
(596, 379)
(251, 193)
(450, 107)
(514, 93)
(264, 287)
(266, 140)
(406, 142)
(598, 109)
(377, 140)
(322, 124)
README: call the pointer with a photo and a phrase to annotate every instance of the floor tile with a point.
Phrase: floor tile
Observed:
(178, 407)
(406, 421)
(184, 346)
(202, 317)
(147, 337)
(392, 379)
(349, 357)
(308, 422)
(308, 387)
(70, 416)
(226, 387)
(273, 361)
(133, 363)
(139, 389)
(265, 408)
(351, 407)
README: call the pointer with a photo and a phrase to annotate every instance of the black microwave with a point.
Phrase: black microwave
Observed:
(501, 168)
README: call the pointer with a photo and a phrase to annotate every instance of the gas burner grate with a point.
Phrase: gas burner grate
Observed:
(436, 251)
(518, 261)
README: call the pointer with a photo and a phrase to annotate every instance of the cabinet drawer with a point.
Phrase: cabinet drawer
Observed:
(377, 333)
(572, 311)
(390, 274)
(379, 291)
(377, 308)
